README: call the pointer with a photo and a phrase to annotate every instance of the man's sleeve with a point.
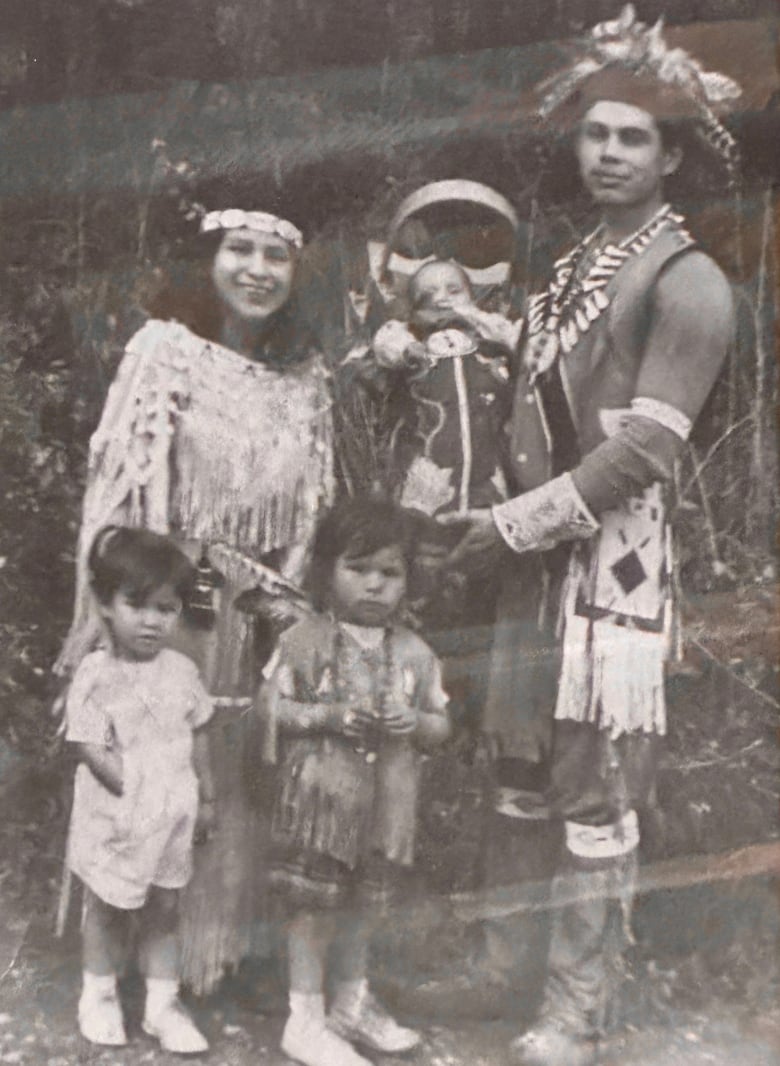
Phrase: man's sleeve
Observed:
(691, 332)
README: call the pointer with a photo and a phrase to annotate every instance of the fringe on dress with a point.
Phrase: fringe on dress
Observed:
(213, 448)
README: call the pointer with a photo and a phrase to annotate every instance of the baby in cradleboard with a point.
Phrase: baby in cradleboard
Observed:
(352, 697)
(143, 786)
(446, 373)
(453, 360)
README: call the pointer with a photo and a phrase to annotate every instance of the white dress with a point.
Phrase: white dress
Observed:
(146, 712)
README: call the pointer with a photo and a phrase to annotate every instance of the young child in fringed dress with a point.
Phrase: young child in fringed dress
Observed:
(447, 374)
(135, 711)
(352, 697)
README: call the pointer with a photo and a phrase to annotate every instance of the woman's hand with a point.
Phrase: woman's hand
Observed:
(481, 534)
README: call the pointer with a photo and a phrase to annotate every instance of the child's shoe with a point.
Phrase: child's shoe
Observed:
(176, 1031)
(167, 1020)
(357, 1015)
(100, 1013)
(310, 1042)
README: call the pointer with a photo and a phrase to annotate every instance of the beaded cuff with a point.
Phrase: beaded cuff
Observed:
(543, 517)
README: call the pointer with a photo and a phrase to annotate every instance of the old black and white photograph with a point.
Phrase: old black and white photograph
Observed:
(388, 560)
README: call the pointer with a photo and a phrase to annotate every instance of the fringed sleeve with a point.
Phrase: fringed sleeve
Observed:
(128, 478)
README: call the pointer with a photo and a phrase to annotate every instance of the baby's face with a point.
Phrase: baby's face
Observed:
(437, 292)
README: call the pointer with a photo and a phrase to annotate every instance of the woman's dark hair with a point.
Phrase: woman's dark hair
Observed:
(358, 526)
(138, 562)
(183, 290)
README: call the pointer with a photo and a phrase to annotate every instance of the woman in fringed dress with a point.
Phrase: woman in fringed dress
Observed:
(217, 430)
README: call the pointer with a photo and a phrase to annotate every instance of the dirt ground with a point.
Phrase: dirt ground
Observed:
(701, 984)
(702, 981)
(37, 1013)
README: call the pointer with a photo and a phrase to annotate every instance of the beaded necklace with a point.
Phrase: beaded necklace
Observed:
(576, 296)
(371, 742)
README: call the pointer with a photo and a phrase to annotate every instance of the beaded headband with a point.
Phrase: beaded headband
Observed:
(261, 221)
(626, 45)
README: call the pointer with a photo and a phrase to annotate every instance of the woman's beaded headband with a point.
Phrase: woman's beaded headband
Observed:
(235, 218)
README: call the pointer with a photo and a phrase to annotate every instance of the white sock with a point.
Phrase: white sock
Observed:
(160, 993)
(307, 1006)
(99, 984)
(348, 995)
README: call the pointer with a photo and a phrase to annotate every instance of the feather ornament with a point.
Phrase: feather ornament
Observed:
(642, 51)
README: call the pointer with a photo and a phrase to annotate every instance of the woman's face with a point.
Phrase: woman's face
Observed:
(253, 273)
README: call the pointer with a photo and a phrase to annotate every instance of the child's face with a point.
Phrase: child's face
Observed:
(140, 626)
(437, 291)
(367, 589)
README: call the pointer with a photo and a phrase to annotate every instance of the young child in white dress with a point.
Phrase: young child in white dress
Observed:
(134, 712)
(352, 697)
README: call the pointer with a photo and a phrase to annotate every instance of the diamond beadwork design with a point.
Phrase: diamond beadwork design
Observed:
(629, 572)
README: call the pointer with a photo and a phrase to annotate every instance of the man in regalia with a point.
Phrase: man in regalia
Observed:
(622, 349)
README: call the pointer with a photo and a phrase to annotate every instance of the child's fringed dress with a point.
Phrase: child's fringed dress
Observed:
(344, 822)
(215, 449)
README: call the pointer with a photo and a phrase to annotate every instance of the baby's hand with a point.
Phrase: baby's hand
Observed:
(391, 345)
(492, 326)
(399, 719)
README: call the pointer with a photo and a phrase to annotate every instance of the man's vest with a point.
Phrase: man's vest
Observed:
(601, 370)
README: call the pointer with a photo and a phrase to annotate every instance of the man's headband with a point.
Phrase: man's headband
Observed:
(261, 221)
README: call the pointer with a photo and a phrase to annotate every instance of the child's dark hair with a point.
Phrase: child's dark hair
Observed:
(138, 562)
(355, 527)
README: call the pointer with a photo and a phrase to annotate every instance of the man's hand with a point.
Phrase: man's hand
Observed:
(481, 534)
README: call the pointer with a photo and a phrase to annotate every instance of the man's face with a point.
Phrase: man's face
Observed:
(622, 159)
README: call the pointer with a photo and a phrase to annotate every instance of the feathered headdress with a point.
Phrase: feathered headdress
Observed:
(627, 59)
